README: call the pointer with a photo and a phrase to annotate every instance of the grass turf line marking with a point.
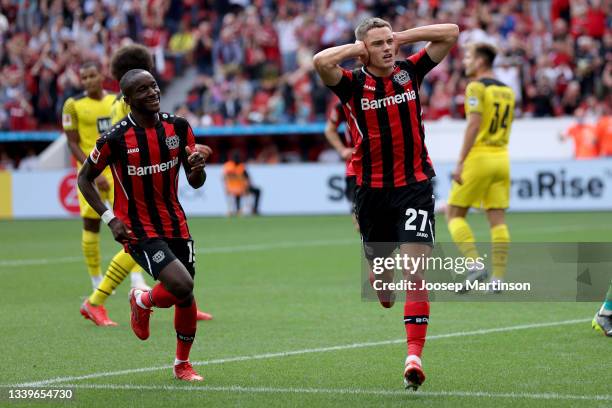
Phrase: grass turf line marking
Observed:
(349, 391)
(204, 251)
(255, 247)
(298, 352)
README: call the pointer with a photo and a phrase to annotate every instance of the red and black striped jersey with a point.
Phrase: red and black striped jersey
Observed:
(337, 117)
(145, 163)
(384, 119)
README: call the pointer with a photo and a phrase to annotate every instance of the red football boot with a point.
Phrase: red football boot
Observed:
(96, 314)
(203, 315)
(413, 374)
(139, 317)
(184, 371)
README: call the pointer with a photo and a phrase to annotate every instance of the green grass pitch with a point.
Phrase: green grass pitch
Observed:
(291, 284)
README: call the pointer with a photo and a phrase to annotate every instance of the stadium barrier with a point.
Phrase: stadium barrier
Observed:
(531, 139)
(319, 189)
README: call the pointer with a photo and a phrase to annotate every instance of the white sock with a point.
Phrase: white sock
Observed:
(414, 358)
(137, 280)
(138, 296)
(95, 281)
(177, 361)
(604, 312)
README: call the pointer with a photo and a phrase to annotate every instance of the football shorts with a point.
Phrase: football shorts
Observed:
(155, 254)
(389, 217)
(486, 182)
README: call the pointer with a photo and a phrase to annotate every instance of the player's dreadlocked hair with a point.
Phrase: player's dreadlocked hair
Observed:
(133, 56)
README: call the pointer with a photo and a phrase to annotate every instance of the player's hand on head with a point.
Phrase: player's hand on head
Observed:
(196, 159)
(205, 150)
(120, 231)
(102, 183)
(363, 56)
(396, 45)
(456, 175)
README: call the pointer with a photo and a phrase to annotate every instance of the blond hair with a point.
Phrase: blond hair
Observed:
(369, 24)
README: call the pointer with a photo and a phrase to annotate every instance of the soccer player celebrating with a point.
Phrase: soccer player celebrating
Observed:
(133, 56)
(84, 118)
(603, 318)
(344, 149)
(145, 151)
(482, 175)
(394, 200)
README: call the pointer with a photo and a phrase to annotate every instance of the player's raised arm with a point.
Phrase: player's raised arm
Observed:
(441, 37)
(327, 61)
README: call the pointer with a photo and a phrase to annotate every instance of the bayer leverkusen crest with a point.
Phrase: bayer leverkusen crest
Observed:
(402, 77)
(172, 142)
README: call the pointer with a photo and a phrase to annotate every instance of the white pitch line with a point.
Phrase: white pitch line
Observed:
(298, 352)
(205, 251)
(345, 391)
(259, 247)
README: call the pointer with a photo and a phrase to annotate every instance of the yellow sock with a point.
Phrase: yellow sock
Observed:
(462, 236)
(90, 243)
(117, 271)
(500, 239)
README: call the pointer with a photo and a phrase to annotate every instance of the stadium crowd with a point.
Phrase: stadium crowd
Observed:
(254, 58)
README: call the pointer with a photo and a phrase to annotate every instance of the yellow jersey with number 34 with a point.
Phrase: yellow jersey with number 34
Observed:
(495, 101)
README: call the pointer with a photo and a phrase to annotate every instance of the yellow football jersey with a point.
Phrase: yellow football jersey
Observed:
(90, 117)
(119, 110)
(495, 102)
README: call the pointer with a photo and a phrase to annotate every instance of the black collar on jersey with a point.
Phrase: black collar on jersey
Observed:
(367, 72)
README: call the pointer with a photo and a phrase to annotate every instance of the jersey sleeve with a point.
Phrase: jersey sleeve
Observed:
(187, 137)
(69, 115)
(474, 98)
(422, 63)
(344, 88)
(101, 156)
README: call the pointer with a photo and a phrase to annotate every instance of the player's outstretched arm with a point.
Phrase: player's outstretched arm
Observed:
(85, 181)
(327, 61)
(441, 39)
